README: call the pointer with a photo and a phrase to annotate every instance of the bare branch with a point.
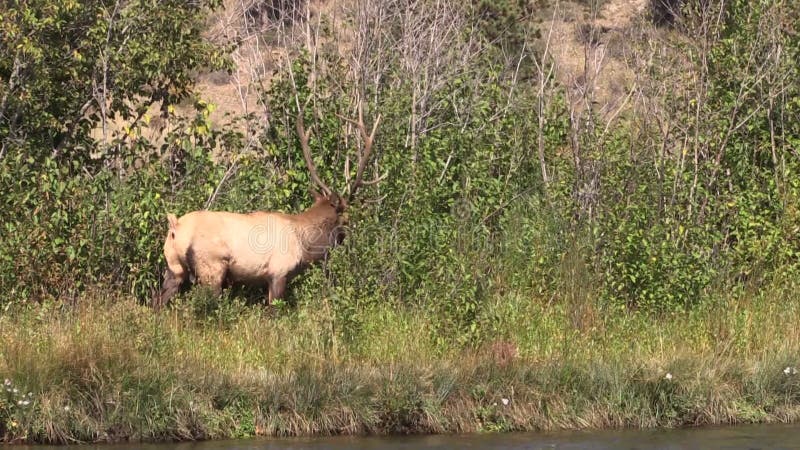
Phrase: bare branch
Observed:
(230, 171)
(72, 128)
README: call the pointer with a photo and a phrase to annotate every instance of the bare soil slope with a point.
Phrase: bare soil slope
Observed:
(589, 50)
(587, 46)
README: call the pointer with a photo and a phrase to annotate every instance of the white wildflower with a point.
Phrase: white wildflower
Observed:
(15, 390)
(505, 401)
(26, 402)
(668, 376)
(790, 370)
(19, 402)
(7, 382)
(66, 408)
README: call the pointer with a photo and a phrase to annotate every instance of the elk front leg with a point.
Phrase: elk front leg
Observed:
(212, 276)
(277, 287)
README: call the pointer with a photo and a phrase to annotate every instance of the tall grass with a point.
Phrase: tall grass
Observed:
(109, 369)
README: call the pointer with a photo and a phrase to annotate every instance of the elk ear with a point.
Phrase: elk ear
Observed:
(317, 196)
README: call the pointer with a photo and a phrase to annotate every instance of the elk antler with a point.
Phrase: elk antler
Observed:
(304, 135)
(363, 158)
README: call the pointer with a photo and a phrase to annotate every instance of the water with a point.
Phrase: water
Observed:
(746, 437)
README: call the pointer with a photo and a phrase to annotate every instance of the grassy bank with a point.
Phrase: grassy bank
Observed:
(111, 370)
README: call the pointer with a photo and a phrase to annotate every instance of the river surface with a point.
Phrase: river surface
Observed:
(745, 437)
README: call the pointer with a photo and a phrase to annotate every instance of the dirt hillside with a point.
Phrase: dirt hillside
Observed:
(589, 50)
(587, 46)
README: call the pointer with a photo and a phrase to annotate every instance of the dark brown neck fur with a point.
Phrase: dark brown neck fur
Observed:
(316, 228)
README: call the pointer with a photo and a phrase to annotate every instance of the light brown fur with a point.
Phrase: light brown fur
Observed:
(261, 248)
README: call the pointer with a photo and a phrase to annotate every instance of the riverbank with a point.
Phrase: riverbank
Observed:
(111, 370)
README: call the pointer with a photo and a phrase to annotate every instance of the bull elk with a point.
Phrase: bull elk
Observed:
(260, 248)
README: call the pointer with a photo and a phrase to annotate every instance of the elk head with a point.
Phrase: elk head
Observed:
(326, 197)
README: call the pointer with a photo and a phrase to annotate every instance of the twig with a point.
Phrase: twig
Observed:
(505, 204)
(234, 165)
